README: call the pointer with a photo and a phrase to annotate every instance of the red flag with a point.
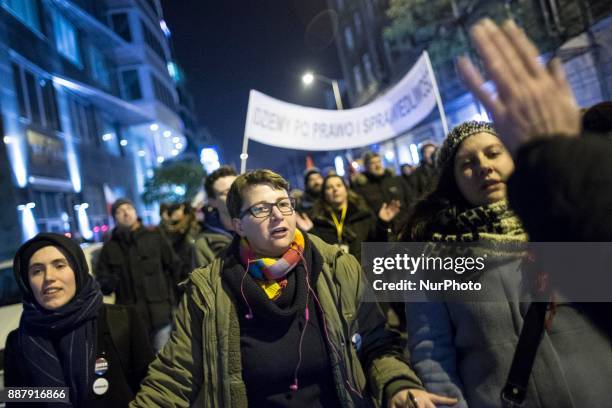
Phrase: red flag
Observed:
(309, 162)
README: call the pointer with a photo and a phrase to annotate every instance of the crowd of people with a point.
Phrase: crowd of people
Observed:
(259, 300)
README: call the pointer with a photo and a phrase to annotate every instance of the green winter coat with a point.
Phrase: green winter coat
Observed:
(201, 363)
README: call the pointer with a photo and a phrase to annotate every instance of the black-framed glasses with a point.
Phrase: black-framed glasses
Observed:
(263, 210)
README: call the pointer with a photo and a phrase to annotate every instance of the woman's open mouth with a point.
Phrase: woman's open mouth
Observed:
(279, 232)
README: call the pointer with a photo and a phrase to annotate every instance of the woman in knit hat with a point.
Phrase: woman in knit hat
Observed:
(67, 337)
(465, 349)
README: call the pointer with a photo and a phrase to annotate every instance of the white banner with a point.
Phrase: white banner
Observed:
(277, 123)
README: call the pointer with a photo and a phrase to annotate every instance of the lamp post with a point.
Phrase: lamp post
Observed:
(309, 77)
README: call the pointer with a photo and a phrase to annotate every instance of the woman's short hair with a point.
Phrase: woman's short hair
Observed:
(249, 179)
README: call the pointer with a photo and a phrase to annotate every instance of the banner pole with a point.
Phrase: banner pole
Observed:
(244, 155)
(432, 77)
(245, 141)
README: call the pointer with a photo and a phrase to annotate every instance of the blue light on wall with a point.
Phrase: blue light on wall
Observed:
(83, 221)
(72, 159)
(16, 151)
(28, 224)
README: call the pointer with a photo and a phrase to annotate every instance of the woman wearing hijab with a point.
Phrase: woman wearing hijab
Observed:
(278, 320)
(67, 337)
(465, 349)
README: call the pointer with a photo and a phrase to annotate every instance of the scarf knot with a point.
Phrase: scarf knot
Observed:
(270, 273)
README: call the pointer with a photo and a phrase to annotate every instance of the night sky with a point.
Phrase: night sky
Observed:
(227, 48)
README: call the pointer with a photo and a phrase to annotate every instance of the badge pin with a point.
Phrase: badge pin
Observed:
(100, 386)
(101, 366)
(356, 340)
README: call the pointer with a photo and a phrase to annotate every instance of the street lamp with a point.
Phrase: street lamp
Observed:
(309, 77)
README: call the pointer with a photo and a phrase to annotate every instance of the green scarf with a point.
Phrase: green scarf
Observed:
(495, 227)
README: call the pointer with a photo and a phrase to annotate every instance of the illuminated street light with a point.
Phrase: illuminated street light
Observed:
(309, 77)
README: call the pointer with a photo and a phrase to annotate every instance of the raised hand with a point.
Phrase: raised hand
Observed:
(303, 221)
(533, 100)
(388, 211)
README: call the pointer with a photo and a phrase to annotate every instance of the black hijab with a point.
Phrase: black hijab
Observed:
(57, 346)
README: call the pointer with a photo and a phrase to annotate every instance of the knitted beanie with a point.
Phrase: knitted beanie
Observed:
(457, 136)
(119, 203)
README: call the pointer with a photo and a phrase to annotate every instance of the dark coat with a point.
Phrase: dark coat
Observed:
(360, 225)
(141, 268)
(377, 190)
(213, 239)
(122, 340)
(419, 183)
(562, 191)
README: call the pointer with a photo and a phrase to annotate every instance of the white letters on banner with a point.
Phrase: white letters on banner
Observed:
(277, 123)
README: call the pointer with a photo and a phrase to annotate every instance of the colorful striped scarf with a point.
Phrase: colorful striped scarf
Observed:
(270, 273)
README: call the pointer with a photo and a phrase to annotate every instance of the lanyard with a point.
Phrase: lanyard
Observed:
(339, 224)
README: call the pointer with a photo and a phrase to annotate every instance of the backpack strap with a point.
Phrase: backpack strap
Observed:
(514, 392)
(118, 322)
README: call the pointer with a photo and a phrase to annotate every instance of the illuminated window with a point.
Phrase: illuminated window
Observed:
(99, 67)
(358, 78)
(66, 39)
(36, 98)
(367, 65)
(348, 37)
(25, 10)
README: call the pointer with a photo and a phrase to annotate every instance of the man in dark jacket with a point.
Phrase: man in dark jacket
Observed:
(378, 185)
(181, 229)
(422, 179)
(313, 182)
(217, 232)
(139, 265)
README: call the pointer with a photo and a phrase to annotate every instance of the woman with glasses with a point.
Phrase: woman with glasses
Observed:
(278, 321)
(342, 217)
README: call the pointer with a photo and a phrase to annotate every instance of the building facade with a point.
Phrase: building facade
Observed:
(578, 31)
(88, 109)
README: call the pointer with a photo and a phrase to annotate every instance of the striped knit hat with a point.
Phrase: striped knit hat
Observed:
(457, 136)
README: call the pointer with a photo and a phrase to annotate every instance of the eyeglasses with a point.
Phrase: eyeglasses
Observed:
(263, 210)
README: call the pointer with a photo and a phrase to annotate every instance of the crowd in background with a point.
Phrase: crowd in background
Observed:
(255, 299)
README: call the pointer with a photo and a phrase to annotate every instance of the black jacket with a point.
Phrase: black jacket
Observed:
(122, 340)
(377, 190)
(141, 268)
(360, 225)
(562, 191)
(419, 183)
